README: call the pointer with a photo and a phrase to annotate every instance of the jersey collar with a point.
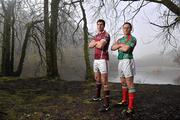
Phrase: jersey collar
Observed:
(101, 32)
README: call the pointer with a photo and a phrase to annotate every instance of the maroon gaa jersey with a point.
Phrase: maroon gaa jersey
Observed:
(102, 53)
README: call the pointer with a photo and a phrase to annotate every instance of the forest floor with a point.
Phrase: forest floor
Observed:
(44, 99)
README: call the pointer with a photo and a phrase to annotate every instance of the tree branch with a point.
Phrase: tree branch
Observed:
(169, 4)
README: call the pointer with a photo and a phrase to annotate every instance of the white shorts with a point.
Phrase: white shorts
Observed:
(101, 66)
(126, 68)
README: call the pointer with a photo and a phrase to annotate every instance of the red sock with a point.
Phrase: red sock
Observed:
(124, 94)
(131, 100)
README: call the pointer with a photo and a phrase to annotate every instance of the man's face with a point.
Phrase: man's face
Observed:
(126, 29)
(100, 26)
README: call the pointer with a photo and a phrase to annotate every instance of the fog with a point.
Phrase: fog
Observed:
(153, 64)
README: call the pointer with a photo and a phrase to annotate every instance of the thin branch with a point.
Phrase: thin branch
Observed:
(166, 26)
(77, 27)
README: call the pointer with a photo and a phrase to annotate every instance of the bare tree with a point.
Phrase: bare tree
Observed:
(9, 38)
(88, 68)
(27, 27)
(6, 64)
(89, 72)
(51, 37)
(24, 47)
(171, 20)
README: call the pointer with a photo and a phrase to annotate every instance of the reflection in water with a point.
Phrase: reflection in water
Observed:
(152, 75)
(177, 80)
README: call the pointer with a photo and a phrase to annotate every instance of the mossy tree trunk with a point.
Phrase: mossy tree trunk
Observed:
(8, 41)
(89, 72)
(8, 36)
(51, 33)
(29, 26)
(12, 42)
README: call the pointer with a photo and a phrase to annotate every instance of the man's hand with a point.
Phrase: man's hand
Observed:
(116, 46)
(100, 44)
(92, 44)
(123, 47)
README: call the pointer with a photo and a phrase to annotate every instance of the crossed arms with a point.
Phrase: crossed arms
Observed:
(97, 44)
(120, 46)
(117, 46)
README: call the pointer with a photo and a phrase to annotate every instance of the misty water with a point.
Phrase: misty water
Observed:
(152, 75)
(158, 69)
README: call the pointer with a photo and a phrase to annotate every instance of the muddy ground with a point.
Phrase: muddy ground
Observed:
(45, 99)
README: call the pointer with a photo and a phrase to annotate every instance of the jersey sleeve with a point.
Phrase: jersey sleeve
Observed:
(132, 42)
(94, 37)
(107, 37)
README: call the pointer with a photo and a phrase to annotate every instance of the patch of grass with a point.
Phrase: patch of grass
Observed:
(50, 109)
(87, 101)
(42, 98)
(67, 98)
(8, 78)
(12, 115)
(8, 101)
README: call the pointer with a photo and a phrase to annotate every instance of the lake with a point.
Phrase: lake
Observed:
(152, 75)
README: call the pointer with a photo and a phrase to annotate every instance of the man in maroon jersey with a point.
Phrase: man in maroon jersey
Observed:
(101, 43)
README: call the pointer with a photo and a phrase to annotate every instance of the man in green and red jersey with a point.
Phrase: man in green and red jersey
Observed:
(101, 43)
(126, 66)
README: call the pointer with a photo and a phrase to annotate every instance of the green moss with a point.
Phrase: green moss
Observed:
(36, 99)
(86, 92)
(8, 78)
(90, 84)
(39, 99)
(30, 116)
(12, 115)
(8, 100)
(67, 98)
(87, 101)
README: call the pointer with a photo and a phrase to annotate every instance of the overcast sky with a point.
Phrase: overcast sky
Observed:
(143, 31)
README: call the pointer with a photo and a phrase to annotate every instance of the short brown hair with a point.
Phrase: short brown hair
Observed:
(128, 24)
(101, 20)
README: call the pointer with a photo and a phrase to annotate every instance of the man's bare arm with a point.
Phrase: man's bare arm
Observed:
(115, 46)
(92, 44)
(100, 44)
(124, 47)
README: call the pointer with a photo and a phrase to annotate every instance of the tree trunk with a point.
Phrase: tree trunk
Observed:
(47, 40)
(23, 52)
(51, 38)
(12, 43)
(5, 66)
(29, 25)
(89, 72)
(7, 62)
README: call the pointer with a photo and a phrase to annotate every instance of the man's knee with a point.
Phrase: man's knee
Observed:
(97, 77)
(129, 82)
(123, 80)
(104, 77)
(131, 87)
